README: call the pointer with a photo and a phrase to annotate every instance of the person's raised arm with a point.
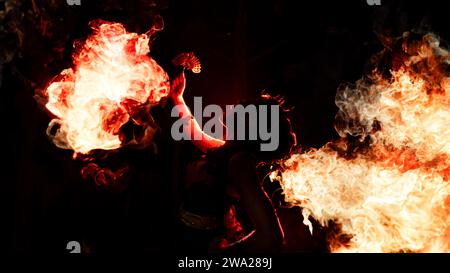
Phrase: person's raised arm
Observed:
(191, 125)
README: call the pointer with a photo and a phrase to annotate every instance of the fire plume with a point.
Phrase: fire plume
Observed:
(112, 76)
(385, 183)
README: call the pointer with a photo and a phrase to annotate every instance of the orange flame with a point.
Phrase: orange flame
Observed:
(112, 75)
(393, 193)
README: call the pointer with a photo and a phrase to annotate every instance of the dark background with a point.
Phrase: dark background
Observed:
(300, 49)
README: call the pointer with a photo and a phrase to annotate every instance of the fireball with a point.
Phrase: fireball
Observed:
(390, 192)
(111, 77)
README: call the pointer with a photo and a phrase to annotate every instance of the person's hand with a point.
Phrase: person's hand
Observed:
(177, 87)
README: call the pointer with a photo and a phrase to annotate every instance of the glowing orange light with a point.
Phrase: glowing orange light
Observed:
(111, 76)
(393, 194)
